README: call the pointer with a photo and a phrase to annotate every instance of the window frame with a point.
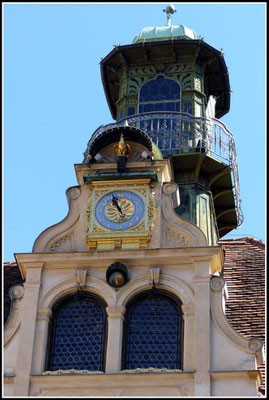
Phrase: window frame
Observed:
(56, 307)
(130, 304)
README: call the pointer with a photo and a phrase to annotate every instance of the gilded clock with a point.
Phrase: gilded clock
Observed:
(119, 210)
(119, 214)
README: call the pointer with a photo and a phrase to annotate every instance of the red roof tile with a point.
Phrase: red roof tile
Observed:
(244, 272)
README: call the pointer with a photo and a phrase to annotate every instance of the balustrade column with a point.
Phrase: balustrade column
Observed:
(114, 339)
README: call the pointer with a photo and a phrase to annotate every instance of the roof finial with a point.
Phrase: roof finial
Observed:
(170, 10)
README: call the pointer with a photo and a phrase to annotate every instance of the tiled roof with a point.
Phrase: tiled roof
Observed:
(244, 272)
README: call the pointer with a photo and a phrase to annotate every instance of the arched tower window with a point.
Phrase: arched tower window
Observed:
(153, 332)
(77, 334)
(160, 94)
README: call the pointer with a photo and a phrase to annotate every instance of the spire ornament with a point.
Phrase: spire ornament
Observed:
(170, 10)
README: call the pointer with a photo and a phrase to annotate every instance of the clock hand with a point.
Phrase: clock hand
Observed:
(116, 204)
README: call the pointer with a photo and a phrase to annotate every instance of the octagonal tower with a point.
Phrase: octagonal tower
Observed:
(174, 86)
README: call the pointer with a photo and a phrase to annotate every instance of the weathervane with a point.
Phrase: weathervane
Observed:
(170, 10)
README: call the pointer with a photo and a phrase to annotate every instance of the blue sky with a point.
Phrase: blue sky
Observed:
(54, 99)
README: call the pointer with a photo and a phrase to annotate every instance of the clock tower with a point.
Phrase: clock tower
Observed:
(125, 296)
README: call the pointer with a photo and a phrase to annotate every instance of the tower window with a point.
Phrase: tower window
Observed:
(77, 334)
(153, 332)
(160, 94)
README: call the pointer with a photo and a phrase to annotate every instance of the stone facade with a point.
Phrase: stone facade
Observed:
(214, 354)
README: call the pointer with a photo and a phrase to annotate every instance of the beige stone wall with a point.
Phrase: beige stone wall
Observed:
(179, 261)
(211, 352)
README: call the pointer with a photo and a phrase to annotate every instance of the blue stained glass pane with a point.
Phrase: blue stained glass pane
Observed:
(160, 89)
(80, 345)
(148, 107)
(131, 111)
(153, 332)
(159, 106)
(188, 108)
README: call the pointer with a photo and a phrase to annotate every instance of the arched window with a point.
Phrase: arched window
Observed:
(153, 332)
(159, 94)
(77, 334)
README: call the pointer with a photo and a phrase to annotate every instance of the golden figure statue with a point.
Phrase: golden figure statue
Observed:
(122, 149)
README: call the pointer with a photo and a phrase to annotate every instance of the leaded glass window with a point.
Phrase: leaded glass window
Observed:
(160, 94)
(77, 334)
(153, 332)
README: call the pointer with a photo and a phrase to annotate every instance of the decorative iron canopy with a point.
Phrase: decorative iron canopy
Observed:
(216, 79)
(113, 135)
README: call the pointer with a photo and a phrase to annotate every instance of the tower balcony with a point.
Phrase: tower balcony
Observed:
(191, 142)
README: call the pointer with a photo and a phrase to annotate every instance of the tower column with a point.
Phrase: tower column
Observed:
(201, 281)
(114, 338)
(27, 329)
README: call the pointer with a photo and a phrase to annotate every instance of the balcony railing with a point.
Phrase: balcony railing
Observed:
(179, 133)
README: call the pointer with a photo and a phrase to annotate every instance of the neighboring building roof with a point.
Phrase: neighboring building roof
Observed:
(12, 276)
(244, 272)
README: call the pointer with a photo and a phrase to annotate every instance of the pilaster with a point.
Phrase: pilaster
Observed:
(188, 345)
(201, 281)
(114, 338)
(41, 338)
(27, 329)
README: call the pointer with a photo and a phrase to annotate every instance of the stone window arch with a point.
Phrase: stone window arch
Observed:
(77, 333)
(153, 334)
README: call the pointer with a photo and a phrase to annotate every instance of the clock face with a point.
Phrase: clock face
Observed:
(119, 210)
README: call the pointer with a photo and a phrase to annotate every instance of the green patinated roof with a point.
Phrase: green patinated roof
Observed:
(166, 32)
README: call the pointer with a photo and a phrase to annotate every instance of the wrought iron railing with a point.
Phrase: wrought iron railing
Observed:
(179, 133)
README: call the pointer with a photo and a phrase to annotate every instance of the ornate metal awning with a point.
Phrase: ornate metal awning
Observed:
(177, 133)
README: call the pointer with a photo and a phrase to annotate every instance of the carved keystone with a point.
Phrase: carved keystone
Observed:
(80, 276)
(154, 275)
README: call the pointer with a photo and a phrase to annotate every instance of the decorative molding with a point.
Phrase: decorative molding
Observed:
(61, 289)
(15, 315)
(16, 292)
(57, 237)
(188, 310)
(73, 192)
(169, 188)
(176, 232)
(254, 346)
(64, 244)
(44, 314)
(115, 312)
(174, 285)
(150, 369)
(71, 372)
